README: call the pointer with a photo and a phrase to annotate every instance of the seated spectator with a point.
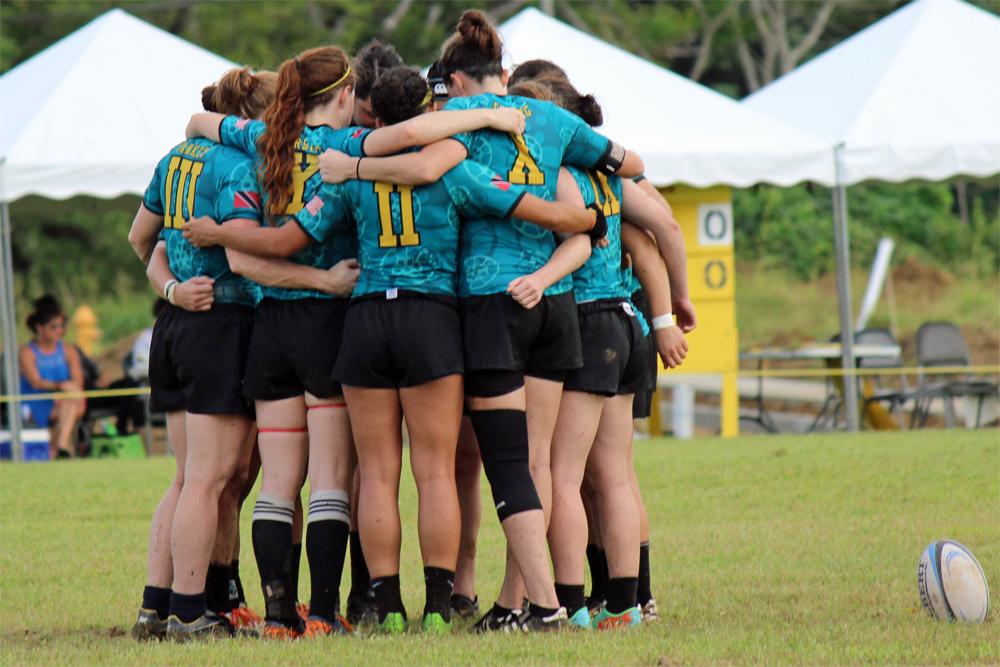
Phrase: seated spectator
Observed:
(49, 366)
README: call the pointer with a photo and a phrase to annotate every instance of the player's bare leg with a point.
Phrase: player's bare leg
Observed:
(468, 476)
(283, 441)
(608, 468)
(579, 417)
(332, 461)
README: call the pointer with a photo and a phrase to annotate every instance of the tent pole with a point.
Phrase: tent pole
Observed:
(9, 324)
(842, 252)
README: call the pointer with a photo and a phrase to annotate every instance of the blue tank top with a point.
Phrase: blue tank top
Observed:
(52, 367)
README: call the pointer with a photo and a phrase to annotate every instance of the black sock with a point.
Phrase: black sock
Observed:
(326, 547)
(188, 608)
(439, 583)
(499, 611)
(592, 564)
(156, 599)
(621, 594)
(272, 548)
(645, 592)
(236, 594)
(217, 588)
(361, 581)
(387, 597)
(600, 576)
(296, 562)
(571, 596)
(540, 612)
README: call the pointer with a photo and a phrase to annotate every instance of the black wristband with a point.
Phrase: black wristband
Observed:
(600, 228)
(357, 169)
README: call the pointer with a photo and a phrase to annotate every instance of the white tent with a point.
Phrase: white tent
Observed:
(915, 95)
(92, 114)
(685, 132)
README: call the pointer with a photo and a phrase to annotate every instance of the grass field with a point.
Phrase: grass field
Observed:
(766, 550)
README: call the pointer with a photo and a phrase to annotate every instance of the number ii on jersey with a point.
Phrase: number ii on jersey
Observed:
(387, 238)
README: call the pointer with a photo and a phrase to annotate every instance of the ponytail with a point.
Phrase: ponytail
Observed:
(304, 83)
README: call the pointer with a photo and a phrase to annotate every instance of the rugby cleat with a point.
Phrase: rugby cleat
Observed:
(595, 604)
(245, 617)
(464, 607)
(317, 626)
(302, 609)
(435, 624)
(650, 614)
(209, 625)
(149, 626)
(606, 620)
(494, 621)
(581, 619)
(361, 610)
(277, 631)
(529, 623)
(394, 624)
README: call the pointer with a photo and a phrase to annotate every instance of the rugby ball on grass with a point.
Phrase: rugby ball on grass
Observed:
(952, 585)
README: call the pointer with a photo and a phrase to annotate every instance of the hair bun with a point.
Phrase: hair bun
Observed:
(471, 21)
(208, 97)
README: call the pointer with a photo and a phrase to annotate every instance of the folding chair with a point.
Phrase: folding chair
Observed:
(942, 344)
(880, 392)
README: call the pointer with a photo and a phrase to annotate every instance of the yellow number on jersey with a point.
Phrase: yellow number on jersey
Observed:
(306, 164)
(387, 238)
(524, 171)
(179, 208)
(605, 195)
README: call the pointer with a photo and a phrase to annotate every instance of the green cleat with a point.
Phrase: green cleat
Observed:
(434, 624)
(394, 624)
(581, 619)
(606, 621)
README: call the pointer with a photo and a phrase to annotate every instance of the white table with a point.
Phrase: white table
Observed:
(824, 351)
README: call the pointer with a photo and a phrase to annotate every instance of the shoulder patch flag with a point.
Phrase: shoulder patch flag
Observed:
(358, 132)
(314, 205)
(500, 183)
(247, 199)
(242, 122)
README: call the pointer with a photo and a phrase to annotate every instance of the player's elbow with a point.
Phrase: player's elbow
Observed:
(239, 263)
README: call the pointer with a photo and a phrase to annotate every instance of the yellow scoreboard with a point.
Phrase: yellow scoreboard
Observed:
(706, 219)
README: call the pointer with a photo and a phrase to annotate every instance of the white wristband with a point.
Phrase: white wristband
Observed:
(663, 322)
(168, 290)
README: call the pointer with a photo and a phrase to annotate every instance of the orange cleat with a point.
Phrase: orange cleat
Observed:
(245, 617)
(274, 631)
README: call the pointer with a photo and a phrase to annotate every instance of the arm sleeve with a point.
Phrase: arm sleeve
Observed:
(465, 138)
(325, 212)
(479, 192)
(239, 195)
(584, 147)
(241, 133)
(352, 141)
(152, 199)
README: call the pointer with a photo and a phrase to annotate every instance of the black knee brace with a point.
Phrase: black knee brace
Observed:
(487, 384)
(503, 446)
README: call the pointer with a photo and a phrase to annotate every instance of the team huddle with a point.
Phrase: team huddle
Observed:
(341, 262)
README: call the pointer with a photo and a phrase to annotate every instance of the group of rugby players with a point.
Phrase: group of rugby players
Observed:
(338, 260)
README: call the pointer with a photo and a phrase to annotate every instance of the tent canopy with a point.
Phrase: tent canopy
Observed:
(685, 132)
(93, 113)
(915, 95)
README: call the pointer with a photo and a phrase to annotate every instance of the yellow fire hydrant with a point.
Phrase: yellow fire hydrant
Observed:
(85, 322)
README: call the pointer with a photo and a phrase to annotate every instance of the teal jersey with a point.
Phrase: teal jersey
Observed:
(601, 276)
(408, 235)
(197, 178)
(341, 243)
(495, 251)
